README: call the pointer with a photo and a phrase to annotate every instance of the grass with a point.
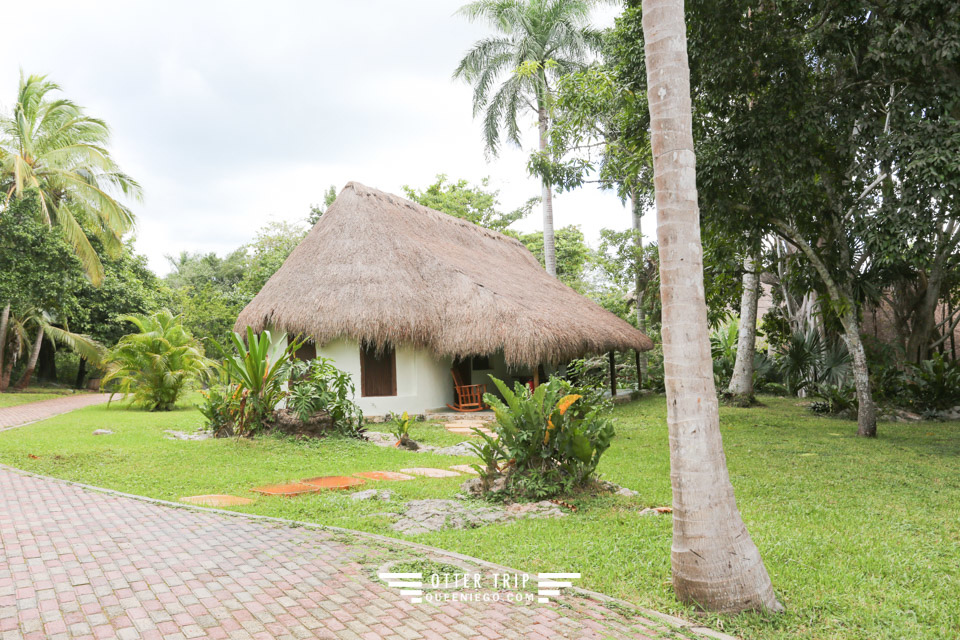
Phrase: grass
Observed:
(31, 394)
(861, 537)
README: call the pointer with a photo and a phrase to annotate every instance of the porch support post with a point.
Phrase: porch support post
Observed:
(636, 352)
(536, 376)
(613, 375)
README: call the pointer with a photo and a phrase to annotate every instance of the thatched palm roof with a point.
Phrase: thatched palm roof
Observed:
(380, 268)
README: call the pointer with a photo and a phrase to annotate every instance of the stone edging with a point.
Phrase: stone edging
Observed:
(672, 621)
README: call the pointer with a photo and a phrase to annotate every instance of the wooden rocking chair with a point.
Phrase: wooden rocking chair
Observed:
(469, 396)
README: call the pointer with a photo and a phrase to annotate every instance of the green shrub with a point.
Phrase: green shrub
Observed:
(400, 427)
(258, 371)
(806, 361)
(157, 364)
(549, 440)
(835, 399)
(933, 384)
(319, 386)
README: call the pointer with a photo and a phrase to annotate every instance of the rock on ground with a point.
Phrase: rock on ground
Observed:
(424, 516)
(183, 435)
(389, 440)
(372, 494)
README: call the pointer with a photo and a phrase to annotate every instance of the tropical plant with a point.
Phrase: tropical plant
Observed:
(51, 145)
(807, 360)
(723, 349)
(400, 427)
(259, 370)
(157, 364)
(834, 399)
(714, 561)
(537, 42)
(221, 403)
(550, 440)
(934, 383)
(319, 386)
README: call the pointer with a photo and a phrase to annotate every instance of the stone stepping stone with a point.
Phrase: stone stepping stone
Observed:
(468, 429)
(465, 468)
(384, 475)
(430, 472)
(217, 500)
(290, 489)
(333, 482)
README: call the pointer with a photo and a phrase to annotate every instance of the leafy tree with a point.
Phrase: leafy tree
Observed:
(197, 269)
(158, 363)
(865, 95)
(475, 203)
(316, 210)
(38, 270)
(272, 246)
(129, 287)
(574, 257)
(538, 41)
(51, 145)
(210, 291)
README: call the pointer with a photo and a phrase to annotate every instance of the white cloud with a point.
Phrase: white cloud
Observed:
(232, 114)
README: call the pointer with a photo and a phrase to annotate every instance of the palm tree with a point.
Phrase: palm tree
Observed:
(45, 326)
(51, 145)
(157, 364)
(715, 563)
(538, 41)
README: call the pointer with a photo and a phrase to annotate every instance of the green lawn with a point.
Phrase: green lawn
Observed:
(31, 394)
(861, 537)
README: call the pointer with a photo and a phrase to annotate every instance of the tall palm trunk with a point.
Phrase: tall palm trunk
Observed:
(638, 283)
(741, 383)
(4, 321)
(546, 194)
(715, 563)
(32, 363)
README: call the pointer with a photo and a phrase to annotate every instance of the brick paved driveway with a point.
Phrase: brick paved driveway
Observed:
(78, 563)
(33, 411)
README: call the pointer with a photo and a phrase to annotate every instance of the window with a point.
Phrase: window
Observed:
(306, 352)
(378, 371)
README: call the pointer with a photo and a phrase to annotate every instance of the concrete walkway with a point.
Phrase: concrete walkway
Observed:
(32, 411)
(80, 563)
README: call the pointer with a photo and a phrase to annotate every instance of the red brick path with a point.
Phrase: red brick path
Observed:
(33, 411)
(77, 563)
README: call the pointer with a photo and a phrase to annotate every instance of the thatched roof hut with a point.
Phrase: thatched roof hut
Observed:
(380, 269)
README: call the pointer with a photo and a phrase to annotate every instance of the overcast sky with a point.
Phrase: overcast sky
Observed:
(233, 114)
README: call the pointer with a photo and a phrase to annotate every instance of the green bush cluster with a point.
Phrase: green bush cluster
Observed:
(549, 440)
(262, 373)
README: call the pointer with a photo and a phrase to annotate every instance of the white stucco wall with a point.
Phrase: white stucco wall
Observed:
(423, 380)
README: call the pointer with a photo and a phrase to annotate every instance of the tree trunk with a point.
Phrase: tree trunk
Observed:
(47, 365)
(925, 315)
(4, 321)
(637, 214)
(715, 563)
(867, 410)
(546, 194)
(32, 363)
(741, 384)
(81, 373)
(8, 365)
